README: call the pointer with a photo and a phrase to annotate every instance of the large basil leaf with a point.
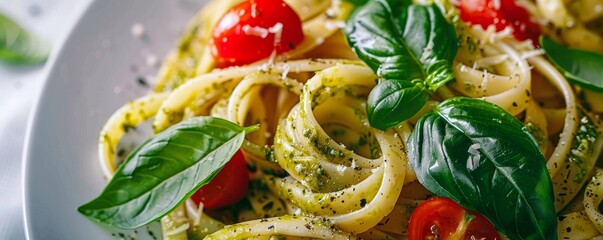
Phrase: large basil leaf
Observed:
(482, 157)
(390, 100)
(403, 43)
(580, 67)
(19, 46)
(164, 171)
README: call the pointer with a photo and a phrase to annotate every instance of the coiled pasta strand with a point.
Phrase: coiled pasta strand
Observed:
(322, 177)
(289, 226)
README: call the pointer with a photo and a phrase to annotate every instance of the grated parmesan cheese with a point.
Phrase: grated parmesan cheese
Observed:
(531, 53)
(191, 209)
(463, 68)
(254, 9)
(297, 212)
(525, 44)
(197, 221)
(490, 35)
(341, 169)
(258, 31)
(507, 32)
(254, 31)
(286, 69)
(276, 28)
(180, 229)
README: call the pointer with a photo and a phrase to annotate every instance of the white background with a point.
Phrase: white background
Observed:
(19, 89)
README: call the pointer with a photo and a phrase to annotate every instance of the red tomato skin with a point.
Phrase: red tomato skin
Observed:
(247, 32)
(508, 14)
(442, 210)
(480, 226)
(445, 215)
(228, 187)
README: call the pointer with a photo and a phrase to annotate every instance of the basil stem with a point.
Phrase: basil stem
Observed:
(410, 47)
(580, 67)
(166, 170)
(477, 154)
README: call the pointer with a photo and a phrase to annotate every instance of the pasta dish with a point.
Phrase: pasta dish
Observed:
(379, 119)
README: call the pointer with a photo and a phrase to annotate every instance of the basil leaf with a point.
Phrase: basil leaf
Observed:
(440, 73)
(580, 67)
(482, 157)
(388, 101)
(165, 171)
(377, 40)
(18, 46)
(402, 42)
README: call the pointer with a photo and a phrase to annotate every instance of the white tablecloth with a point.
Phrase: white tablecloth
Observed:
(19, 88)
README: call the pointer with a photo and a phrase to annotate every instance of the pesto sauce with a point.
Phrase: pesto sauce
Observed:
(244, 230)
(583, 146)
(537, 134)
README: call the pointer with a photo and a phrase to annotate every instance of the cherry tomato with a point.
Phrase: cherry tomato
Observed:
(228, 187)
(440, 218)
(501, 14)
(254, 29)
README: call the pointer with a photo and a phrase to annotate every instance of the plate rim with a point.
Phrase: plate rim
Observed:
(32, 126)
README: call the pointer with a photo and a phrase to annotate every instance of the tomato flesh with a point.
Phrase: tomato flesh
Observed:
(442, 218)
(254, 29)
(228, 187)
(501, 14)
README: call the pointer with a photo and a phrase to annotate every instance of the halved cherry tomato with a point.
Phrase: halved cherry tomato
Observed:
(501, 14)
(254, 29)
(442, 218)
(228, 187)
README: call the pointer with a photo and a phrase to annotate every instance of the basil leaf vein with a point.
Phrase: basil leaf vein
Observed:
(580, 67)
(414, 44)
(482, 157)
(166, 170)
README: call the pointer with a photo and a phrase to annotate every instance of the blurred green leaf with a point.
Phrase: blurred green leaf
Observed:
(18, 46)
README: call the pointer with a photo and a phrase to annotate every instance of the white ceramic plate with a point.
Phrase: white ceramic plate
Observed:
(93, 74)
